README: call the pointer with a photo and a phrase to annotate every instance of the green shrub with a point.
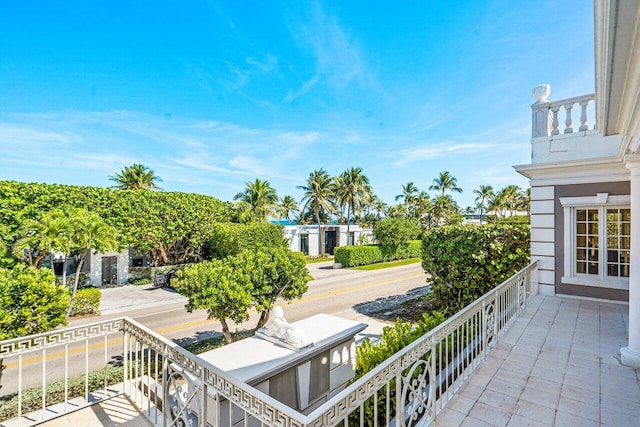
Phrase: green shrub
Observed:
(230, 239)
(393, 232)
(352, 256)
(466, 261)
(32, 397)
(368, 356)
(514, 219)
(87, 301)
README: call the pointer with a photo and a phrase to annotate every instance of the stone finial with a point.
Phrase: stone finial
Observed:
(541, 92)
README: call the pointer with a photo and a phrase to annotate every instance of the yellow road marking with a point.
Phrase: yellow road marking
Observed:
(162, 331)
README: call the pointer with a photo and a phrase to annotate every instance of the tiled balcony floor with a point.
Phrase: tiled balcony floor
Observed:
(559, 364)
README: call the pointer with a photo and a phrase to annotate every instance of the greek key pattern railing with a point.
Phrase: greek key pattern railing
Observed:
(57, 338)
(250, 401)
(171, 386)
(420, 379)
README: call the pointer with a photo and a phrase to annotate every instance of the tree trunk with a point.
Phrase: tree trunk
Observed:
(225, 331)
(64, 271)
(320, 234)
(53, 270)
(348, 222)
(264, 318)
(75, 284)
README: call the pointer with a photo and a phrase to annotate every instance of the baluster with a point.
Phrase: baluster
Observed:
(568, 121)
(583, 116)
(554, 122)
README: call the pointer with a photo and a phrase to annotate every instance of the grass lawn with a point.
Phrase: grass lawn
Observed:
(381, 265)
(314, 260)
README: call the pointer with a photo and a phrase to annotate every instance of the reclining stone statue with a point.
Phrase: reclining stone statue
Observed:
(278, 328)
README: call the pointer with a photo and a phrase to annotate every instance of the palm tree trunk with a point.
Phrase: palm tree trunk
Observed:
(320, 234)
(75, 284)
(348, 222)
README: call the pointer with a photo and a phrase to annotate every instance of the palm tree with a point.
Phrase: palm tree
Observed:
(484, 192)
(445, 182)
(409, 193)
(318, 196)
(259, 197)
(88, 231)
(510, 197)
(41, 237)
(443, 207)
(288, 206)
(353, 191)
(135, 177)
(496, 204)
(423, 206)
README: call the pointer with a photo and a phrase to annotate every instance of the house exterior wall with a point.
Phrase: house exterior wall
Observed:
(577, 190)
(293, 234)
(543, 235)
(95, 262)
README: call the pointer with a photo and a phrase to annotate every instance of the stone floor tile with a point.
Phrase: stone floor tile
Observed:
(505, 387)
(489, 414)
(516, 367)
(544, 385)
(474, 422)
(578, 408)
(514, 377)
(550, 400)
(506, 403)
(461, 403)
(520, 421)
(629, 405)
(535, 412)
(580, 371)
(591, 382)
(580, 394)
(479, 379)
(471, 391)
(542, 370)
(449, 418)
(570, 420)
(613, 418)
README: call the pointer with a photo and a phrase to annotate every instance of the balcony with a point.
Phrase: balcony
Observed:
(170, 386)
(566, 130)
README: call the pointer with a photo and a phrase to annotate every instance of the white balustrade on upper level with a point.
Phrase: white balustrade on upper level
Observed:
(546, 115)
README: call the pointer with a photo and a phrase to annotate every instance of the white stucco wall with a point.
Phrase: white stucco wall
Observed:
(292, 234)
(95, 261)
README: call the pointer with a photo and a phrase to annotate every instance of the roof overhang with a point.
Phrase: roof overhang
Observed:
(604, 169)
(617, 61)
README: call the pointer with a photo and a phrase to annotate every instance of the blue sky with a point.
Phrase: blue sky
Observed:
(211, 94)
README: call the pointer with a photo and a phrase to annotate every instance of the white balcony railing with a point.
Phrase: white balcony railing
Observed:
(548, 117)
(172, 386)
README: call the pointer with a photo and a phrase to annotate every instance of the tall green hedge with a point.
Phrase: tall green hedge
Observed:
(174, 227)
(230, 239)
(353, 256)
(466, 261)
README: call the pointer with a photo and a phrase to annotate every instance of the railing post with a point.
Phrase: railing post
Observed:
(555, 121)
(432, 379)
(125, 357)
(568, 122)
(583, 115)
(202, 419)
(540, 119)
(485, 338)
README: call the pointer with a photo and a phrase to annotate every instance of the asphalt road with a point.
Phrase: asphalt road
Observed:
(339, 292)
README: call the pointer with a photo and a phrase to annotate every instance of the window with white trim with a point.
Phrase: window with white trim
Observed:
(597, 240)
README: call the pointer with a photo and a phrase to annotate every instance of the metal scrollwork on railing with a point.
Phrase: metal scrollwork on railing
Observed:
(417, 394)
(490, 319)
(181, 393)
(522, 291)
